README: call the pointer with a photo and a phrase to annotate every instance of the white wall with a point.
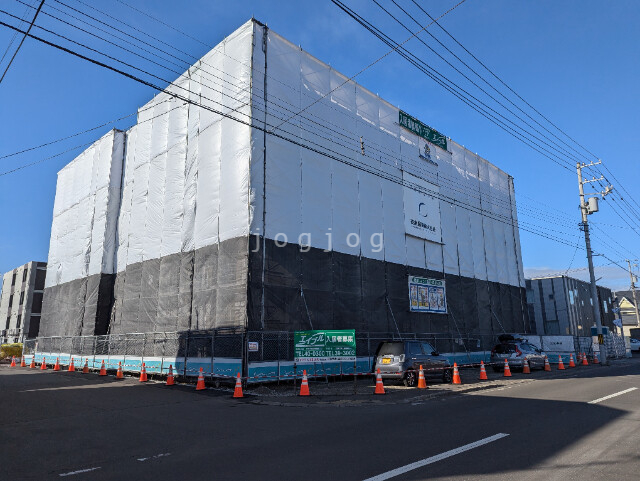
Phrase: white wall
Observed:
(85, 212)
(348, 191)
(178, 193)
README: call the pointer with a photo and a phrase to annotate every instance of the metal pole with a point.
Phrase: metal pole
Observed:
(635, 300)
(594, 289)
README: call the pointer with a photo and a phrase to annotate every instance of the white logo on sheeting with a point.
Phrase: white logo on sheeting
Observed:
(421, 210)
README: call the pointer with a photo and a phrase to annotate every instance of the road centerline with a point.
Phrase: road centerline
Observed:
(438, 457)
(596, 401)
(80, 471)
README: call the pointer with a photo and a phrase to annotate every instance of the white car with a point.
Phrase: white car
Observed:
(635, 344)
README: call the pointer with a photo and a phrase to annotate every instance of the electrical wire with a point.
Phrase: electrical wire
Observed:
(329, 153)
(422, 66)
(116, 59)
(21, 42)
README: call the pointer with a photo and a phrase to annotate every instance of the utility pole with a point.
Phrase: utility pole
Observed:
(588, 208)
(633, 291)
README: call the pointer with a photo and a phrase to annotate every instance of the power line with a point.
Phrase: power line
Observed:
(15, 35)
(425, 68)
(454, 202)
(323, 126)
(558, 147)
(46, 144)
(22, 41)
(514, 92)
(372, 63)
(163, 23)
(386, 39)
(330, 154)
(45, 159)
(504, 83)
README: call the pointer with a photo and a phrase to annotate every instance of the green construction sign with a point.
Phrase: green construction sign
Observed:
(320, 346)
(421, 130)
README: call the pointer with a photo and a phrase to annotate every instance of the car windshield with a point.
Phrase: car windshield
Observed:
(504, 348)
(391, 348)
(427, 348)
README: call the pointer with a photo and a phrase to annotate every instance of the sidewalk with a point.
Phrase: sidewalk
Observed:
(341, 392)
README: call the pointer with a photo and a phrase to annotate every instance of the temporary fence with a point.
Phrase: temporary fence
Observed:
(269, 355)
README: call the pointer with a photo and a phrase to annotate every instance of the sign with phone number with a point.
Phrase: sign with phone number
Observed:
(320, 346)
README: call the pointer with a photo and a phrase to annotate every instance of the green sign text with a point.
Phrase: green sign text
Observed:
(318, 346)
(427, 133)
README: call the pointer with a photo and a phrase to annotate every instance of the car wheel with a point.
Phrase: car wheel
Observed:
(447, 376)
(410, 379)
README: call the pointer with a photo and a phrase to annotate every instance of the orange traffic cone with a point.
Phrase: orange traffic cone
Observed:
(13, 361)
(119, 374)
(170, 380)
(379, 385)
(483, 372)
(560, 364)
(43, 364)
(595, 358)
(422, 382)
(200, 386)
(507, 369)
(22, 363)
(72, 367)
(571, 363)
(85, 369)
(525, 367)
(547, 366)
(456, 374)
(56, 366)
(103, 371)
(304, 387)
(237, 392)
(143, 373)
(584, 359)
(33, 362)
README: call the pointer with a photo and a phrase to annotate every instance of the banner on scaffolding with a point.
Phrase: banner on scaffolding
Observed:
(427, 295)
(321, 346)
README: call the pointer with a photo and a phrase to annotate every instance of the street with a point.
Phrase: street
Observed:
(577, 424)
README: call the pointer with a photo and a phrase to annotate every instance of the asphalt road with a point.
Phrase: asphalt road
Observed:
(74, 426)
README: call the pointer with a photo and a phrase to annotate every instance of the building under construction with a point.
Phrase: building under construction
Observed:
(263, 190)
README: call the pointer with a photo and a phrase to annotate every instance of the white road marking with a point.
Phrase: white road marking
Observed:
(79, 471)
(161, 455)
(438, 457)
(596, 401)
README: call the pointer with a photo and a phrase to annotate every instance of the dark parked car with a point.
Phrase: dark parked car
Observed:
(401, 360)
(516, 350)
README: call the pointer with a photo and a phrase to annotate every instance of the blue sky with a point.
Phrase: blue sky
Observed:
(575, 61)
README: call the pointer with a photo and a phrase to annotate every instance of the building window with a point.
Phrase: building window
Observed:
(10, 301)
(21, 297)
(13, 279)
(24, 275)
(551, 297)
(19, 320)
(8, 322)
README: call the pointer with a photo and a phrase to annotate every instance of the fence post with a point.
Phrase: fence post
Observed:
(186, 354)
(278, 356)
(144, 344)
(109, 351)
(124, 358)
(213, 336)
(355, 376)
(95, 345)
(164, 347)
